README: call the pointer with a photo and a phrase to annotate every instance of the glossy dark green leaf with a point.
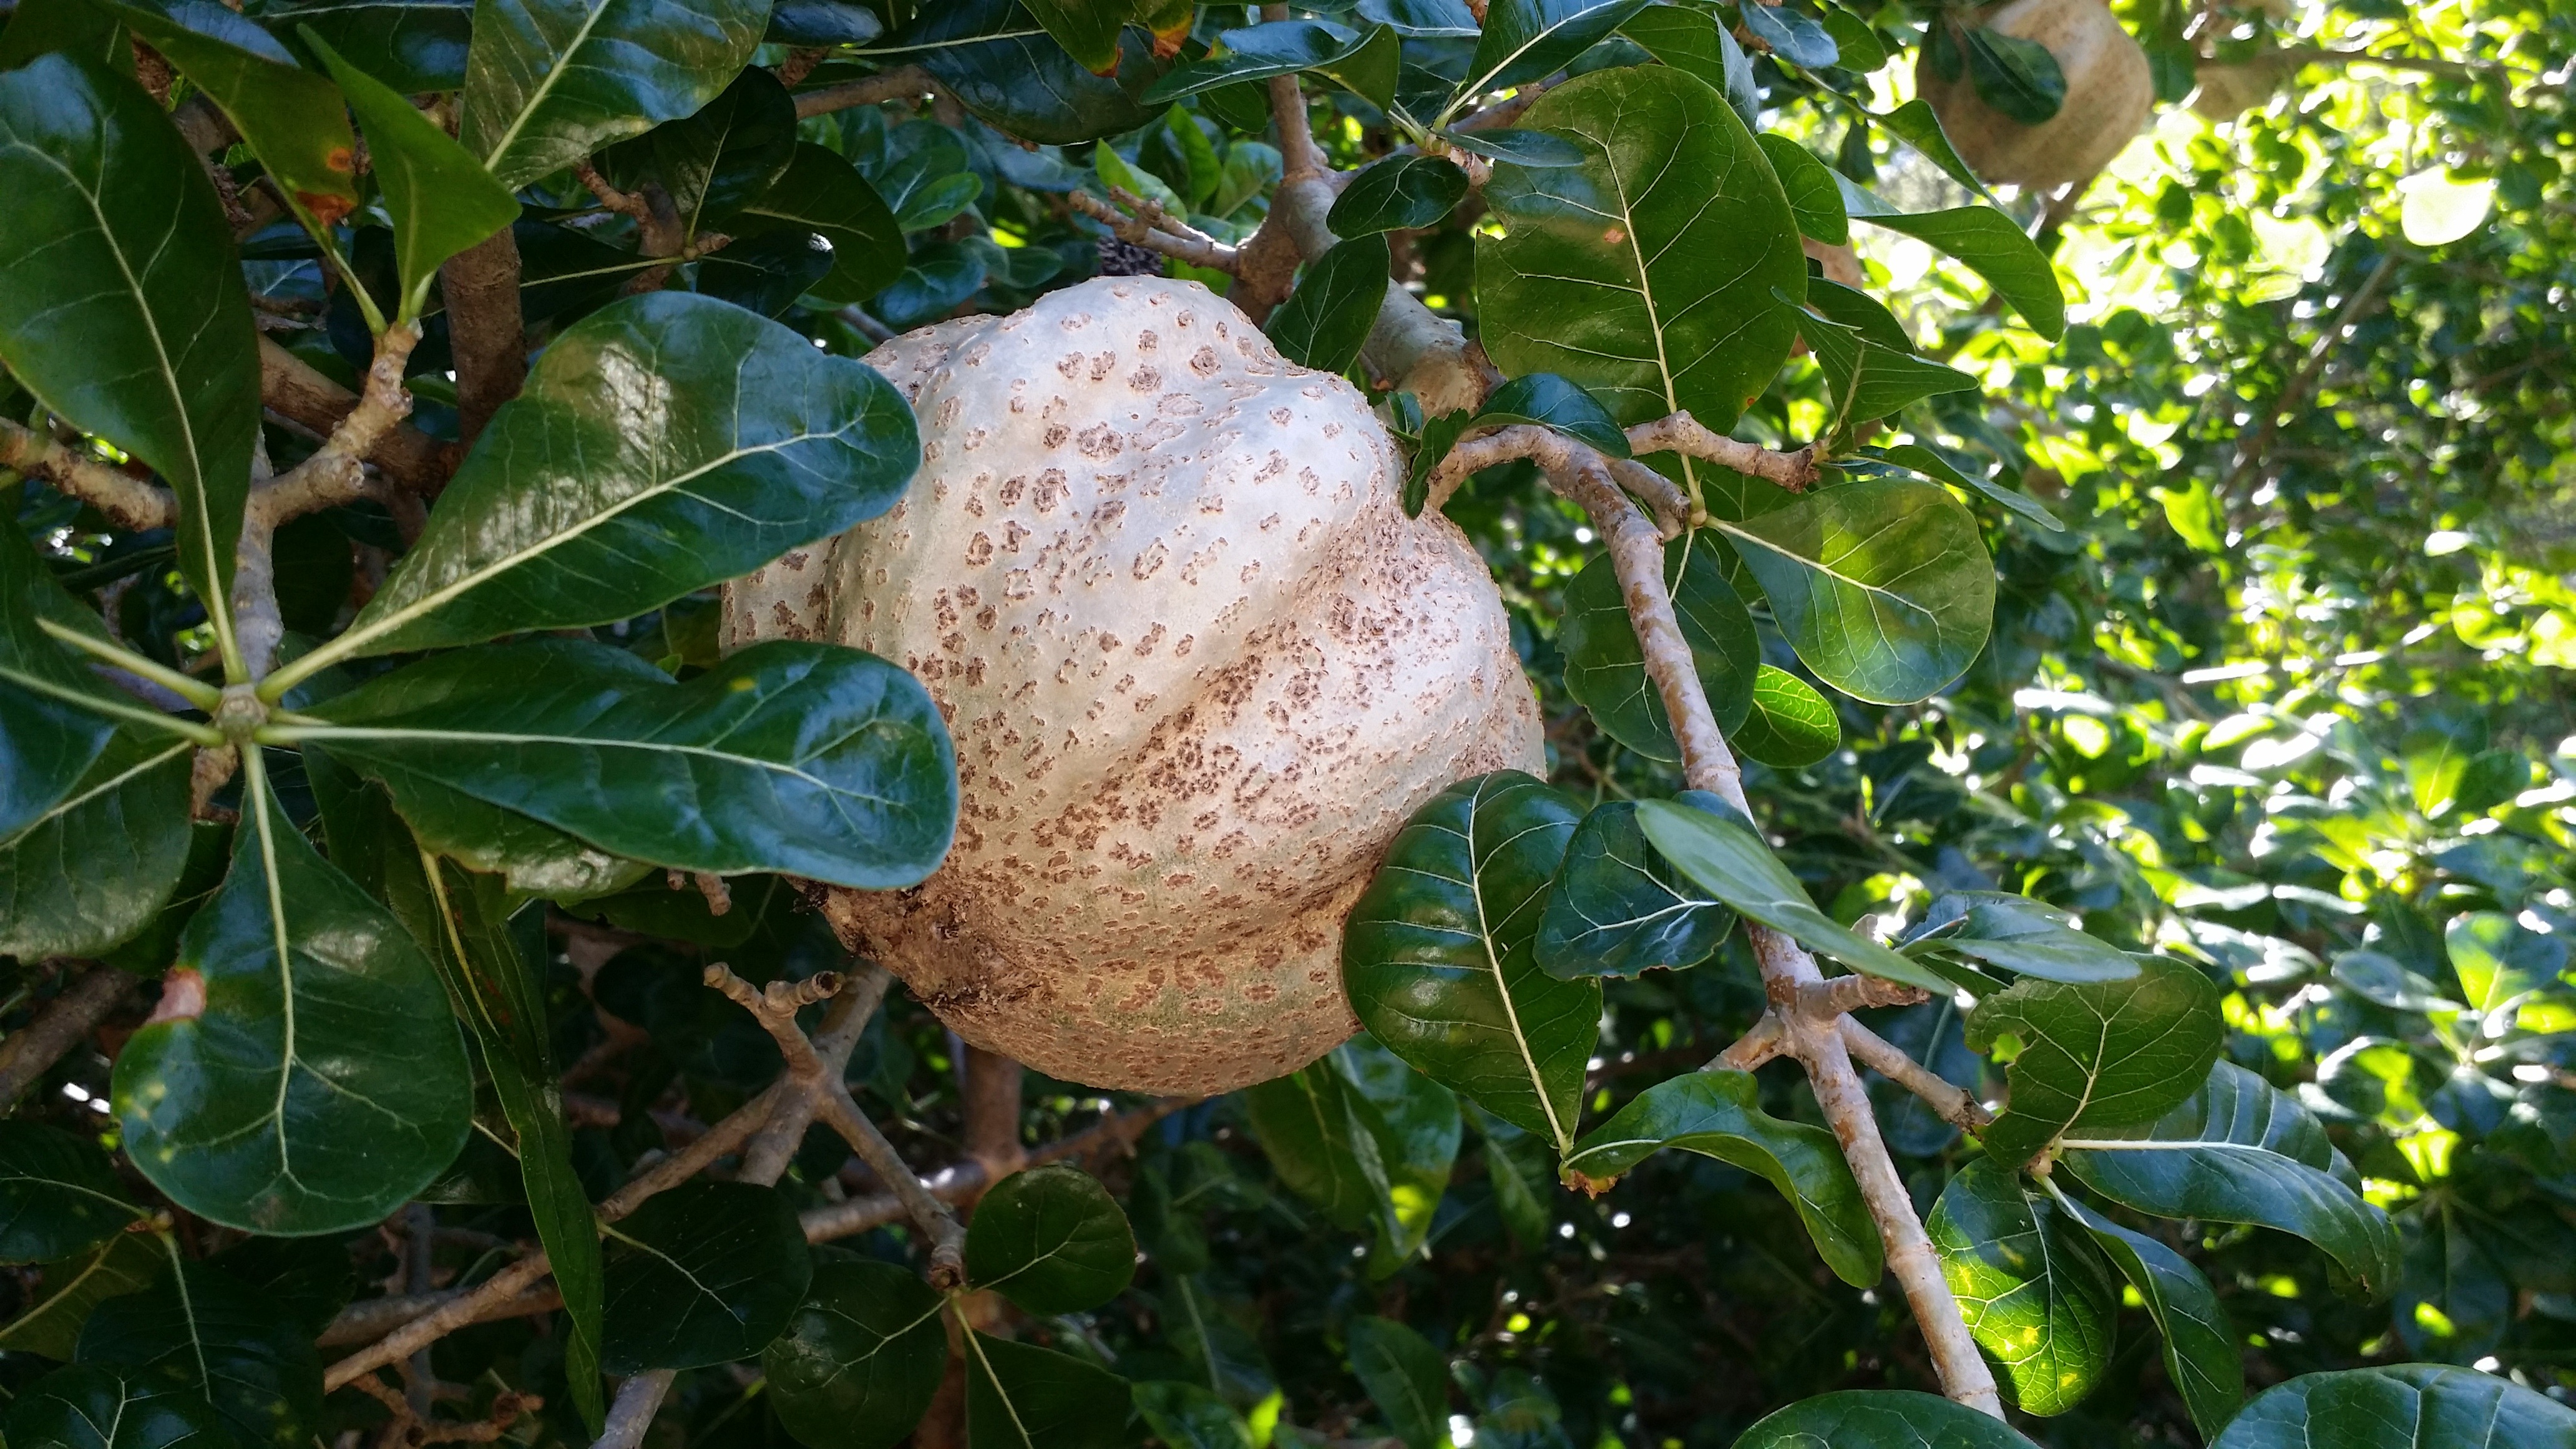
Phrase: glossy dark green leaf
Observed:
(2454, 1300)
(1523, 40)
(411, 45)
(1881, 1419)
(1790, 725)
(2035, 1292)
(1360, 60)
(2202, 1356)
(706, 1273)
(1861, 49)
(495, 966)
(121, 305)
(810, 759)
(1883, 587)
(97, 865)
(1406, 1378)
(822, 22)
(1605, 666)
(1520, 1168)
(201, 1329)
(571, 512)
(1020, 1397)
(1920, 127)
(290, 117)
(1439, 435)
(1315, 1146)
(1328, 316)
(1719, 1114)
(534, 858)
(1790, 35)
(1008, 73)
(38, 27)
(1917, 458)
(57, 1196)
(821, 193)
(1652, 274)
(1725, 857)
(1440, 961)
(63, 1298)
(111, 1408)
(440, 198)
(302, 1073)
(1087, 29)
(1051, 1240)
(2098, 1054)
(1617, 908)
(1422, 19)
(1518, 145)
(1986, 242)
(2499, 960)
(2015, 76)
(548, 82)
(2026, 936)
(2241, 1152)
(1814, 199)
(1186, 1416)
(1690, 40)
(1551, 401)
(861, 1357)
(926, 177)
(1414, 1126)
(2402, 1406)
(766, 274)
(1866, 380)
(1398, 194)
(717, 160)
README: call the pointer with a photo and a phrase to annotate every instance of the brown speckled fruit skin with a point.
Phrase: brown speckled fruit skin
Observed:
(2110, 92)
(1199, 665)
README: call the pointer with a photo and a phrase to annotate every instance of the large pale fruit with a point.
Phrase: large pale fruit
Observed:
(1199, 667)
(2110, 92)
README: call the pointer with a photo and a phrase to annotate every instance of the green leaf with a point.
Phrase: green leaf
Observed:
(1019, 1397)
(1861, 51)
(706, 1273)
(495, 966)
(756, 443)
(121, 304)
(1523, 40)
(1413, 1126)
(1985, 241)
(1406, 1378)
(107, 1408)
(2017, 77)
(291, 117)
(1605, 666)
(1916, 123)
(1327, 318)
(410, 45)
(1617, 908)
(1791, 36)
(2034, 1290)
(1360, 61)
(2499, 961)
(38, 27)
(1519, 146)
(1185, 1416)
(1087, 29)
(97, 865)
(1401, 193)
(69, 1291)
(2240, 1152)
(2026, 936)
(1790, 725)
(861, 1358)
(1315, 1145)
(1051, 1240)
(199, 1328)
(1881, 1419)
(1647, 274)
(1551, 401)
(825, 195)
(1719, 1114)
(2098, 1054)
(1865, 379)
(1438, 953)
(1691, 41)
(2454, 1300)
(1814, 199)
(441, 199)
(810, 759)
(57, 1196)
(1931, 464)
(2402, 1406)
(1518, 1167)
(1883, 587)
(719, 159)
(302, 1073)
(1008, 73)
(533, 858)
(2201, 1353)
(1728, 860)
(548, 82)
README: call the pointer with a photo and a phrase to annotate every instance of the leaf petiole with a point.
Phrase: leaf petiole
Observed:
(187, 686)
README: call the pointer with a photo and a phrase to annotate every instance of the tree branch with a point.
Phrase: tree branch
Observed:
(638, 1400)
(1154, 229)
(336, 474)
(906, 83)
(129, 500)
(67, 1020)
(1682, 433)
(2295, 391)
(291, 388)
(1955, 1104)
(485, 331)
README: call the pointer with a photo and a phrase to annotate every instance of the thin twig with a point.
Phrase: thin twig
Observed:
(962, 1181)
(291, 388)
(1955, 1104)
(1156, 230)
(335, 473)
(638, 1399)
(67, 1020)
(129, 500)
(907, 83)
(1765, 1041)
(2296, 391)
(1682, 433)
